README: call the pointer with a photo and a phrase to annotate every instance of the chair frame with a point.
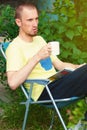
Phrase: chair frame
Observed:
(56, 104)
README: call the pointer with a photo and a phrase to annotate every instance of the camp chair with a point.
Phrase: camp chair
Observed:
(56, 104)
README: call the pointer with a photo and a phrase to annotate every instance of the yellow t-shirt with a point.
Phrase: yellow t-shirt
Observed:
(20, 52)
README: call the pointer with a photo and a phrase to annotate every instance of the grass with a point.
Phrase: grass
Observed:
(39, 117)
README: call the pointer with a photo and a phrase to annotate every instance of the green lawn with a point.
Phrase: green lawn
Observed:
(39, 118)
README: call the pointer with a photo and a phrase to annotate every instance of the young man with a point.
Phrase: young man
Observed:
(26, 53)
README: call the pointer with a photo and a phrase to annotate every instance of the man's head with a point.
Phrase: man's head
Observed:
(20, 7)
(26, 17)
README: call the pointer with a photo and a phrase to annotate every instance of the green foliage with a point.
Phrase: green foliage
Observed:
(72, 30)
(8, 27)
(2, 70)
(58, 30)
(69, 30)
(76, 113)
(81, 9)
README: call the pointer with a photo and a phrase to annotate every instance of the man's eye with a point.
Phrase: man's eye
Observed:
(36, 18)
(29, 19)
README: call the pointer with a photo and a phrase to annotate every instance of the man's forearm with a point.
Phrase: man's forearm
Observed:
(15, 78)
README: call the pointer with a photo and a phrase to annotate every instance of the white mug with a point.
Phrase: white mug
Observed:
(55, 47)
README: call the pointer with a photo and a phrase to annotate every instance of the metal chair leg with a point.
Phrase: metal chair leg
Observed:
(57, 110)
(52, 121)
(26, 115)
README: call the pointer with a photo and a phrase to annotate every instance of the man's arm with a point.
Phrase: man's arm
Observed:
(60, 65)
(15, 78)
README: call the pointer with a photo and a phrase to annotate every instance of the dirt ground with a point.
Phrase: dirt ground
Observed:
(4, 95)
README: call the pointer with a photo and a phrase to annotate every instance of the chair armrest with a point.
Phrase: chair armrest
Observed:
(32, 81)
(38, 81)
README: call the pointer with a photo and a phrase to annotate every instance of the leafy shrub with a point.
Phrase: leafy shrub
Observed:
(58, 30)
(72, 33)
(8, 28)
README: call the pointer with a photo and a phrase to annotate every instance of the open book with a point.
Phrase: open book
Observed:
(61, 73)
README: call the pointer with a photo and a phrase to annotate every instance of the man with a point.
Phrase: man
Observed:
(26, 53)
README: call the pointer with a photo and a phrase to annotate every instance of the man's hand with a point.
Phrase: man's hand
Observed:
(78, 66)
(44, 52)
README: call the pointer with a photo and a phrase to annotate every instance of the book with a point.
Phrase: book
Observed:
(61, 73)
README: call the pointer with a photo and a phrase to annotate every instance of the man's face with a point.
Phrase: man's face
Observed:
(29, 21)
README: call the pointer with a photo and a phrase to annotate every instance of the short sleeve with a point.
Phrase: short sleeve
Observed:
(14, 59)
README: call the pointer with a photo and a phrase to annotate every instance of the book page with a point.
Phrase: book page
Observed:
(61, 73)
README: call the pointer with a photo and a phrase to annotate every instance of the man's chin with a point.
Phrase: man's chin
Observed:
(32, 35)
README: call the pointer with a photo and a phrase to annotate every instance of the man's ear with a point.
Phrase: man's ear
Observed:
(18, 22)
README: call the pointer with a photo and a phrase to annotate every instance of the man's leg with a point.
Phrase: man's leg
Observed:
(73, 84)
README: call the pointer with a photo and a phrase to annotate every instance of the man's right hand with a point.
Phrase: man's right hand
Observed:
(44, 52)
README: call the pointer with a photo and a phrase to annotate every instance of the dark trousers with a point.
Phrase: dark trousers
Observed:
(72, 84)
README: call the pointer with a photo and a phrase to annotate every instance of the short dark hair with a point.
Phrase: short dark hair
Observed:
(20, 7)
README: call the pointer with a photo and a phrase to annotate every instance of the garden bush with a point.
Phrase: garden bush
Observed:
(72, 24)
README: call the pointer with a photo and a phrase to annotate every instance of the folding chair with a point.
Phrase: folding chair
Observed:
(56, 104)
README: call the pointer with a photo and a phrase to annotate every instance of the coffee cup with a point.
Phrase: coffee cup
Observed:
(55, 47)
